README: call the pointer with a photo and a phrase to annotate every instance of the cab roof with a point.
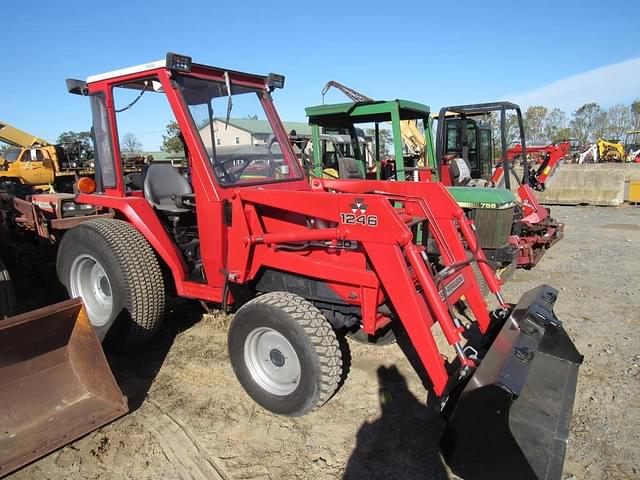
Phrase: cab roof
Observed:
(370, 111)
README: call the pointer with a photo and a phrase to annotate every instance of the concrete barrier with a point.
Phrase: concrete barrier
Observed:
(604, 184)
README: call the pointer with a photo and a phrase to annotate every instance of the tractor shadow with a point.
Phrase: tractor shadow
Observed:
(136, 369)
(404, 442)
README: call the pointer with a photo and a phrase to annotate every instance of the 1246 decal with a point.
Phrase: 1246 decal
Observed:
(353, 219)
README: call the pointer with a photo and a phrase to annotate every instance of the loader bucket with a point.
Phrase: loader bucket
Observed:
(55, 383)
(512, 418)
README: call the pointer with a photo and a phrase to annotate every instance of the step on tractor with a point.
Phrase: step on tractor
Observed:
(464, 156)
(411, 158)
(299, 262)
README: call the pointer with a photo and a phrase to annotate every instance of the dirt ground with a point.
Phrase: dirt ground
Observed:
(191, 420)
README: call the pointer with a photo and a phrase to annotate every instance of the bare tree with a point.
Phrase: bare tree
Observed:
(588, 122)
(130, 143)
(635, 114)
(534, 123)
(511, 129)
(555, 126)
(619, 121)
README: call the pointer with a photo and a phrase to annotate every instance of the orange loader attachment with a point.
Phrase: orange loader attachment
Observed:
(55, 383)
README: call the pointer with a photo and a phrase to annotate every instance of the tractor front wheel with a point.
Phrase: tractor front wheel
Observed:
(285, 353)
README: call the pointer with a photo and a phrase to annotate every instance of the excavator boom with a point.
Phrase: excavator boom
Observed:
(17, 138)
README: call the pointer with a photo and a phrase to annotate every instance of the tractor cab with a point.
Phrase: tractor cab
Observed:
(470, 140)
(376, 130)
(334, 149)
(210, 105)
(464, 135)
(632, 146)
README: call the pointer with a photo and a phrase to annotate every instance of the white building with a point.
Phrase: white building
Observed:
(245, 131)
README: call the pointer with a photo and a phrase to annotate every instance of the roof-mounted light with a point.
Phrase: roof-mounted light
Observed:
(275, 81)
(178, 63)
(77, 87)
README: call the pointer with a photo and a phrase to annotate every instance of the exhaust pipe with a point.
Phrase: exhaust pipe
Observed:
(512, 418)
(55, 383)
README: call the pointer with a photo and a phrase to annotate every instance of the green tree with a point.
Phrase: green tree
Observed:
(83, 139)
(386, 140)
(562, 134)
(588, 122)
(534, 123)
(171, 142)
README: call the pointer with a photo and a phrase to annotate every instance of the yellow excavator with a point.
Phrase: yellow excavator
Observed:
(609, 151)
(35, 162)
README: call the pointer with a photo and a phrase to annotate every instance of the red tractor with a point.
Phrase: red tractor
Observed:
(301, 263)
(547, 159)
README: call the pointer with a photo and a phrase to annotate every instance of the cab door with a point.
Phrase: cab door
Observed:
(36, 167)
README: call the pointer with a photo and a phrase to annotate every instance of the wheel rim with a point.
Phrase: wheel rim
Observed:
(272, 361)
(89, 280)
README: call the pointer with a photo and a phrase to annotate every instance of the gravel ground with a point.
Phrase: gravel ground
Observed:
(191, 420)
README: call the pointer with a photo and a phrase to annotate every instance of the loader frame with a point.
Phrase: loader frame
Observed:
(253, 229)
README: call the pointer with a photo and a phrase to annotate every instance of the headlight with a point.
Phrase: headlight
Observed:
(73, 209)
(69, 207)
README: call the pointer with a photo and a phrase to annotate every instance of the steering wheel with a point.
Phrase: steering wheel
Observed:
(226, 174)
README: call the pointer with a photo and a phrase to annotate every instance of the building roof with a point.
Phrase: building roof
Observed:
(262, 126)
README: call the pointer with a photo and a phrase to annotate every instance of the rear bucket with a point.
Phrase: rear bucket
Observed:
(512, 418)
(55, 383)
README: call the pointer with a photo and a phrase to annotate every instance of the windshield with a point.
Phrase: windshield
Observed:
(236, 134)
(12, 155)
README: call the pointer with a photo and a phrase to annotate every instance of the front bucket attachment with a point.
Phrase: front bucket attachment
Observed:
(55, 383)
(512, 418)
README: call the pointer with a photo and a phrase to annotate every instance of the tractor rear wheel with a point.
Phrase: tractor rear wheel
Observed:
(114, 269)
(7, 295)
(285, 353)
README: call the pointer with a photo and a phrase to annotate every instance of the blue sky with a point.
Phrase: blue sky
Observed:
(544, 52)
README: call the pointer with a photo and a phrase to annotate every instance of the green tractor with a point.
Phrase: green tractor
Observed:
(391, 140)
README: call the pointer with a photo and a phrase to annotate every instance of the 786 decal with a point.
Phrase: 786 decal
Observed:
(353, 219)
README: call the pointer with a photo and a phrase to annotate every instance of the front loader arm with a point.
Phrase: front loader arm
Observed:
(266, 226)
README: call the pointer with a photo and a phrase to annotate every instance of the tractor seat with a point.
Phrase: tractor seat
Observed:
(350, 168)
(165, 188)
